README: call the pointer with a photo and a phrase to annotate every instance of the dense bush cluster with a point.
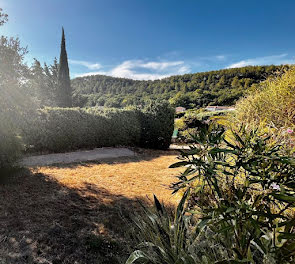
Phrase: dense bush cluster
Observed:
(271, 103)
(269, 107)
(237, 206)
(63, 129)
(157, 123)
(192, 121)
(10, 147)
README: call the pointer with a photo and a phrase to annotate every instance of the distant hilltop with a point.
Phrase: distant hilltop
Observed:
(220, 88)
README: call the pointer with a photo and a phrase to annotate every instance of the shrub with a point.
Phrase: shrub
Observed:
(242, 188)
(237, 206)
(63, 129)
(173, 237)
(157, 124)
(10, 148)
(123, 128)
(190, 128)
(193, 120)
(270, 104)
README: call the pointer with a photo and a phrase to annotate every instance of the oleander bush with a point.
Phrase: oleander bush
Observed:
(166, 236)
(238, 191)
(243, 187)
(64, 129)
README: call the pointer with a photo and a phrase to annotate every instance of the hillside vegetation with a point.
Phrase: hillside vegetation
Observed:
(222, 87)
(270, 106)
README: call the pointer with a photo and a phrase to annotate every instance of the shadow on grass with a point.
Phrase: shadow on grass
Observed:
(42, 221)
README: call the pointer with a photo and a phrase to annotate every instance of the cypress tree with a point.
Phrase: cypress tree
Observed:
(64, 92)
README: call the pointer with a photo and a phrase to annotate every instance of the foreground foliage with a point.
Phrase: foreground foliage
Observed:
(15, 104)
(173, 237)
(242, 190)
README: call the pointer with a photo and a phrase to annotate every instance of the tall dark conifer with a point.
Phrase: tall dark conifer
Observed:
(64, 93)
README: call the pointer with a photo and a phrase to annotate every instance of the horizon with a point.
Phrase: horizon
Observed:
(153, 40)
(191, 73)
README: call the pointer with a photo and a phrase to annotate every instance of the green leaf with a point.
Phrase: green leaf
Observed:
(219, 150)
(180, 206)
(224, 229)
(283, 197)
(284, 235)
(179, 164)
(229, 210)
(137, 255)
(193, 151)
(158, 205)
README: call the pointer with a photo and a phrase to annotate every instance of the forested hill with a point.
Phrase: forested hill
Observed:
(222, 87)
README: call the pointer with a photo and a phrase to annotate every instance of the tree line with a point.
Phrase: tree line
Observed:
(47, 85)
(50, 85)
(222, 87)
(24, 89)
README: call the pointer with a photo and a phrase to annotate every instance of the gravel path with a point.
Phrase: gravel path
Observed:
(77, 156)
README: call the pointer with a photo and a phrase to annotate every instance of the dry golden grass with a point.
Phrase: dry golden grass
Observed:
(79, 213)
(135, 177)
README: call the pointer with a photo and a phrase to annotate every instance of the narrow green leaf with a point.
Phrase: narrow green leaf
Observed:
(179, 164)
(158, 205)
(137, 255)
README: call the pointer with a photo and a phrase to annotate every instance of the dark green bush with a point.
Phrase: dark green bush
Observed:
(157, 124)
(10, 147)
(123, 126)
(63, 129)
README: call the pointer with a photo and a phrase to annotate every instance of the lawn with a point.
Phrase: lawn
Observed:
(80, 213)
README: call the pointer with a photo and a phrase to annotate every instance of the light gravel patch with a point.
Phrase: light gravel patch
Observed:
(77, 156)
(179, 147)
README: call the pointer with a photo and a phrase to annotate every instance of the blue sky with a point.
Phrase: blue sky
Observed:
(150, 39)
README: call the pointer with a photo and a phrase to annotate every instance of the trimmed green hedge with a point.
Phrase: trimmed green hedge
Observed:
(64, 129)
(157, 125)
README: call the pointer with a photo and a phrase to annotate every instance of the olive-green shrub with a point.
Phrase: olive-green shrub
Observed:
(157, 124)
(242, 187)
(269, 104)
(123, 126)
(193, 120)
(10, 148)
(237, 204)
(64, 129)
